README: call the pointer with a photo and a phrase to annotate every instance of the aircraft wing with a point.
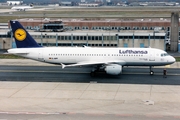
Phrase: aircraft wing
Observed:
(120, 62)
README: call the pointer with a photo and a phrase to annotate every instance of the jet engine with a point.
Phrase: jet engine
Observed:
(113, 69)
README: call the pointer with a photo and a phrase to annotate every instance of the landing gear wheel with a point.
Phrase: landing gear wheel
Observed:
(151, 72)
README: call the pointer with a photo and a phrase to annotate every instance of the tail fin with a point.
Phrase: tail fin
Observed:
(22, 37)
(31, 5)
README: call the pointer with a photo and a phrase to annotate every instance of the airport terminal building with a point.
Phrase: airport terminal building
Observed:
(100, 39)
(96, 33)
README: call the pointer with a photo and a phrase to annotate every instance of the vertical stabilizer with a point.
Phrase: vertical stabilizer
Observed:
(22, 37)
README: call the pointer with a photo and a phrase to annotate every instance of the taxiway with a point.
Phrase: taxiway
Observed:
(33, 90)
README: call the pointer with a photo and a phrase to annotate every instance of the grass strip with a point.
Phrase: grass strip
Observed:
(10, 56)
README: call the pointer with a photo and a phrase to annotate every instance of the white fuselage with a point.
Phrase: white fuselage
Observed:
(73, 55)
(21, 7)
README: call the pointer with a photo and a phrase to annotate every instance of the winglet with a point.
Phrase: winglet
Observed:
(63, 65)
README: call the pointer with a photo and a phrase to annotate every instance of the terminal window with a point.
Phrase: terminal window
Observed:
(125, 45)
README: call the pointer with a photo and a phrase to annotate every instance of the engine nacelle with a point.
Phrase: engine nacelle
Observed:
(113, 69)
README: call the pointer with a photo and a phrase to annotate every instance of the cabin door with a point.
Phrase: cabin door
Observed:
(40, 55)
(151, 56)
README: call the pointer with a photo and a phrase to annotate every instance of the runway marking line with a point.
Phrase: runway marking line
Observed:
(124, 115)
(91, 114)
(44, 113)
(154, 116)
(177, 117)
(12, 113)
(26, 71)
(72, 113)
(3, 112)
(94, 114)
(22, 112)
(53, 113)
(30, 113)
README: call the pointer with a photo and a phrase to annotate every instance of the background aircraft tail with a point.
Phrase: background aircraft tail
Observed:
(22, 37)
(31, 5)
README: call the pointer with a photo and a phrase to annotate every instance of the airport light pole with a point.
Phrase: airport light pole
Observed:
(46, 40)
(149, 40)
(87, 39)
(71, 39)
(117, 37)
(41, 39)
(102, 40)
(133, 38)
(154, 34)
(109, 37)
(56, 40)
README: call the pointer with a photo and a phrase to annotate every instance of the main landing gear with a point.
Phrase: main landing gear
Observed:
(151, 71)
(93, 73)
(96, 70)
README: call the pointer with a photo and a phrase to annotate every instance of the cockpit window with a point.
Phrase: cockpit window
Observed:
(164, 54)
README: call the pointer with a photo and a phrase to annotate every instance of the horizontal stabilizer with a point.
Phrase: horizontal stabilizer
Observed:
(17, 51)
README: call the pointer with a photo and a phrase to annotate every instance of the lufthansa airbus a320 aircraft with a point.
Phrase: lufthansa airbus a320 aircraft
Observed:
(109, 60)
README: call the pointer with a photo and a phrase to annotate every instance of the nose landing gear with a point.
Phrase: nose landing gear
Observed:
(151, 71)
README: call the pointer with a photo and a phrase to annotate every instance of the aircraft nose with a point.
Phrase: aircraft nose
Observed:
(172, 59)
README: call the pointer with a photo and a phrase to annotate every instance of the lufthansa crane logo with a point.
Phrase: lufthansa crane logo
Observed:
(20, 34)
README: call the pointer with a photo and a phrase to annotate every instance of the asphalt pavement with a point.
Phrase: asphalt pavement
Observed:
(34, 90)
